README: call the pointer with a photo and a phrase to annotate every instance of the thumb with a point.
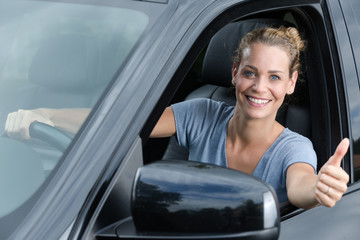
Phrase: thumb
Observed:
(335, 160)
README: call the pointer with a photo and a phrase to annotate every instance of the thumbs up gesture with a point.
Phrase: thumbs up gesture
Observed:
(332, 180)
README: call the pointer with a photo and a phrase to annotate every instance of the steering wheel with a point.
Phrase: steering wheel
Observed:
(51, 135)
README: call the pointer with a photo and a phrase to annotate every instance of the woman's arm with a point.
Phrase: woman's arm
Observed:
(18, 123)
(70, 120)
(307, 190)
(165, 127)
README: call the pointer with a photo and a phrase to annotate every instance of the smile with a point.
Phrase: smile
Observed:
(257, 100)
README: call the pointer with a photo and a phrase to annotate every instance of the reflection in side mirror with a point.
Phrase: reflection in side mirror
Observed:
(188, 199)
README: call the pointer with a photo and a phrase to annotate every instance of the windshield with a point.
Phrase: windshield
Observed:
(54, 55)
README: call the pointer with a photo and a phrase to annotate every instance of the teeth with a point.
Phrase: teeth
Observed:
(258, 101)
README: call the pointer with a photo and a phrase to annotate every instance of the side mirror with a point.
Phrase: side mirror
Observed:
(192, 200)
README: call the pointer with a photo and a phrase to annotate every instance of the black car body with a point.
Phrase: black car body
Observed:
(128, 60)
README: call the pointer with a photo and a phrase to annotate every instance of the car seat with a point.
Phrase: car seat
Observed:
(216, 76)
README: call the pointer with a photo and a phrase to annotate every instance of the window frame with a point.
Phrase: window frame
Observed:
(346, 78)
(352, 23)
(312, 19)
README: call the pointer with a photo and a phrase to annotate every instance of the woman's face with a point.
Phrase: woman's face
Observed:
(262, 80)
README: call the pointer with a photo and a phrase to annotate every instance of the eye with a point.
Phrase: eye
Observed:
(274, 77)
(249, 74)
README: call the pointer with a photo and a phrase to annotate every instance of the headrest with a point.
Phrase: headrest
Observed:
(68, 62)
(218, 59)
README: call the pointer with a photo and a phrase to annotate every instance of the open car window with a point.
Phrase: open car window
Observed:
(210, 77)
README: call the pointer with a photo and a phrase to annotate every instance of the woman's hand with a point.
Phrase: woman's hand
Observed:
(331, 182)
(307, 190)
(18, 123)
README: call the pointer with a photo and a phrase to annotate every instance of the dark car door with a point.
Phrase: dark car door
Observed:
(327, 99)
(342, 221)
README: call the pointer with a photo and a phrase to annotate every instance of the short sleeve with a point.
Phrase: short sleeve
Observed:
(299, 150)
(191, 118)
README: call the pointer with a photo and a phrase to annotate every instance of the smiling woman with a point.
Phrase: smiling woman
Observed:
(247, 137)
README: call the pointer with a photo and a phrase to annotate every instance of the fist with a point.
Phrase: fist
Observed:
(332, 180)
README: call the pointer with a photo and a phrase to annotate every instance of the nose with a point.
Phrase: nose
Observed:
(260, 84)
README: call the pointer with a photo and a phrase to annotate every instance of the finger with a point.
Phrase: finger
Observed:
(335, 160)
(17, 121)
(339, 185)
(334, 194)
(6, 127)
(19, 130)
(324, 199)
(322, 187)
(10, 124)
(330, 198)
(7, 123)
(336, 173)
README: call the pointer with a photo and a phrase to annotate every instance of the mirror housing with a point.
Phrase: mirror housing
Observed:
(192, 200)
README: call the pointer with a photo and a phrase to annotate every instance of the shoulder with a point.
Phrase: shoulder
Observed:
(296, 148)
(292, 139)
(292, 143)
(200, 105)
(194, 118)
(201, 101)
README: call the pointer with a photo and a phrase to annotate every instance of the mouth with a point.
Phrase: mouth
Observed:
(257, 101)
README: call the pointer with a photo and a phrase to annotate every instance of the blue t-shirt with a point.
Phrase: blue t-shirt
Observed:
(201, 126)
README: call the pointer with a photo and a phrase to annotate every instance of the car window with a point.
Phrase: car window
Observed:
(352, 18)
(54, 55)
(354, 6)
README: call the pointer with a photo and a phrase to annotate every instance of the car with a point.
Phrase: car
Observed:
(126, 61)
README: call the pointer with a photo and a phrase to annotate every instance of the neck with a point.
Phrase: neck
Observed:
(245, 131)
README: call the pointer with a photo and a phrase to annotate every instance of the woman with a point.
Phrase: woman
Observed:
(245, 137)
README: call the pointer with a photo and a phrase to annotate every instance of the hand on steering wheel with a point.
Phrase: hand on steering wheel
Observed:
(18, 123)
(27, 124)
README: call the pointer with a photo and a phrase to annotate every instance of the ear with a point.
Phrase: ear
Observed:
(292, 82)
(234, 72)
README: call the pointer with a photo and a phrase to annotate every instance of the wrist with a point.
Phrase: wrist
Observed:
(45, 116)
